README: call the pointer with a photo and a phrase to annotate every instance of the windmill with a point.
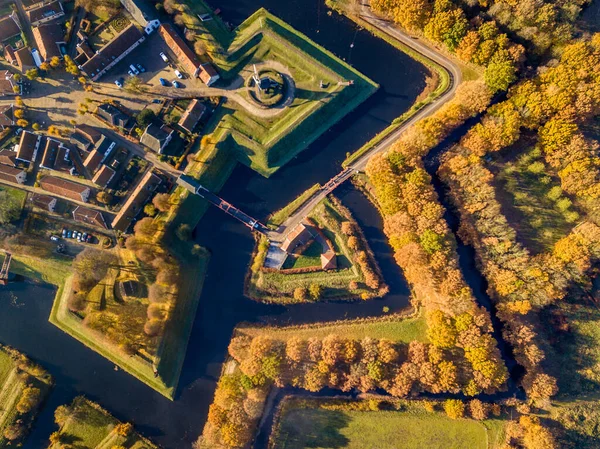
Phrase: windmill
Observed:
(256, 78)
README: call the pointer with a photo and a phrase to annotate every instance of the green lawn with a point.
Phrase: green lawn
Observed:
(266, 144)
(311, 257)
(89, 426)
(304, 428)
(395, 328)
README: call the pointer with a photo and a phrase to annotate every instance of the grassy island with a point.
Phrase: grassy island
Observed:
(85, 425)
(305, 275)
(23, 387)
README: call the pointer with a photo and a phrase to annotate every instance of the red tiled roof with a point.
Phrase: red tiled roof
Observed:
(89, 216)
(192, 115)
(8, 28)
(66, 188)
(103, 176)
(27, 146)
(136, 200)
(177, 45)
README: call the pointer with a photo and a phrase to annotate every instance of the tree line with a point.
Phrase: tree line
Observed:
(553, 104)
(478, 41)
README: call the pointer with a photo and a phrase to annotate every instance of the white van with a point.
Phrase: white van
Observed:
(134, 69)
(164, 57)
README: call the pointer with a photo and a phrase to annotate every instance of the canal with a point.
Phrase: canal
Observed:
(24, 309)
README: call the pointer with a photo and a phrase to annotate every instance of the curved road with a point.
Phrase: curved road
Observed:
(424, 49)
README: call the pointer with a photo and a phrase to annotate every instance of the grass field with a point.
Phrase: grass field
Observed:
(266, 144)
(89, 426)
(395, 328)
(411, 428)
(532, 199)
(17, 373)
(279, 286)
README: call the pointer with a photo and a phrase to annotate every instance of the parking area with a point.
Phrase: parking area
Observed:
(148, 55)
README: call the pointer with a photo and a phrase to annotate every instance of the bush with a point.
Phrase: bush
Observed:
(315, 291)
(454, 408)
(300, 294)
(30, 399)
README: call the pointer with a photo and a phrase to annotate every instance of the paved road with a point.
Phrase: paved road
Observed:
(421, 47)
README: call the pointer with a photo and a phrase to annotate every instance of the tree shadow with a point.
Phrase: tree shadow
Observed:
(315, 429)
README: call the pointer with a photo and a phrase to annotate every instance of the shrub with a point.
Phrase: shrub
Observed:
(300, 294)
(454, 408)
(315, 291)
(30, 399)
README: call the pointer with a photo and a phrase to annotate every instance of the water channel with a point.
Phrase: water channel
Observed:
(25, 307)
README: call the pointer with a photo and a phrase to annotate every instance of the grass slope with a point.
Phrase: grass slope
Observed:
(303, 428)
(89, 426)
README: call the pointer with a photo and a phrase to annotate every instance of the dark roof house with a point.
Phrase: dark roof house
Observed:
(28, 146)
(8, 157)
(7, 84)
(12, 174)
(192, 115)
(47, 38)
(46, 202)
(113, 115)
(45, 13)
(136, 201)
(9, 27)
(208, 74)
(157, 138)
(24, 59)
(89, 216)
(7, 117)
(104, 176)
(93, 161)
(50, 153)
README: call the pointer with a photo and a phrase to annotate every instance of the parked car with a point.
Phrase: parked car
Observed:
(156, 101)
(70, 234)
(119, 83)
(178, 74)
(89, 238)
(177, 84)
(163, 82)
(54, 238)
(134, 69)
(79, 236)
(164, 57)
(130, 73)
(84, 237)
(141, 68)
(64, 232)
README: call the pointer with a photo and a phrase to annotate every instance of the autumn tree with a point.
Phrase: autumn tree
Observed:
(454, 408)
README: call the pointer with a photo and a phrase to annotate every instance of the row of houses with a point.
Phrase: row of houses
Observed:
(96, 63)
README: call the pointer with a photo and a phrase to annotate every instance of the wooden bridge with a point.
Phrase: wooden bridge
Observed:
(5, 268)
(193, 186)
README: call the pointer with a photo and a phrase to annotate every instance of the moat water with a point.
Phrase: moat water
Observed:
(25, 307)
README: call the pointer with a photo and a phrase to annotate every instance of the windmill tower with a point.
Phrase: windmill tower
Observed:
(256, 78)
